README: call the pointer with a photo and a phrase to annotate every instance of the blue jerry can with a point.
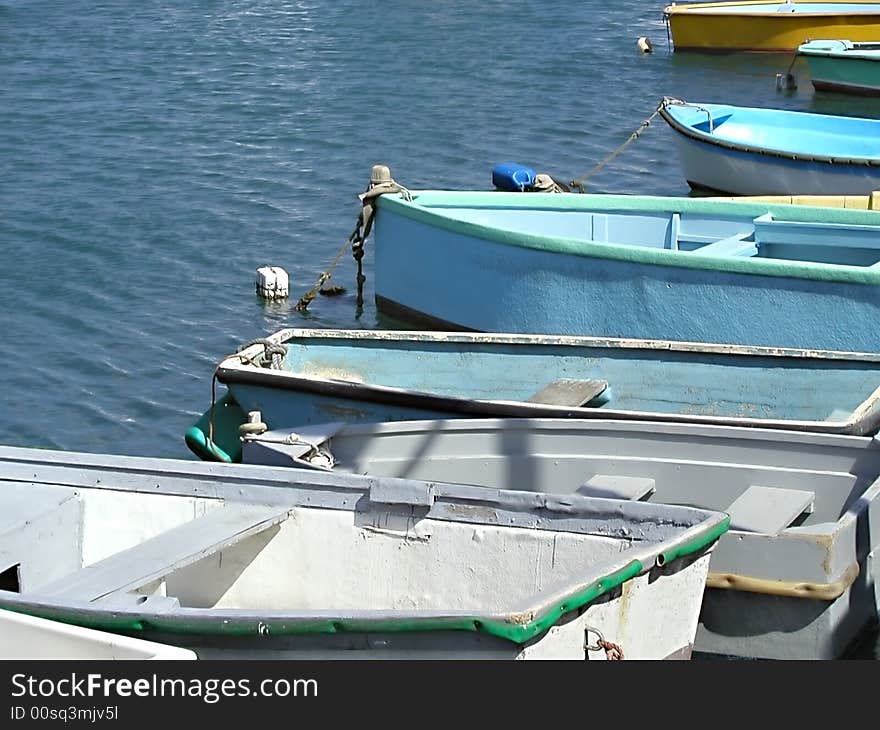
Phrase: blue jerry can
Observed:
(513, 177)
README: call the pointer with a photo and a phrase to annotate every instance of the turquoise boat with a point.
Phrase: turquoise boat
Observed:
(300, 377)
(634, 267)
(841, 65)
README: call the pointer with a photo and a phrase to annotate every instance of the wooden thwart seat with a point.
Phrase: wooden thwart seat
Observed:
(168, 551)
(736, 245)
(567, 392)
(768, 510)
(617, 487)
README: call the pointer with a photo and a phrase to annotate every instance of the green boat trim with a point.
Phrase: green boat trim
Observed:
(516, 628)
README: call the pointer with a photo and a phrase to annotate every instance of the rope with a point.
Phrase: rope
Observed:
(579, 182)
(356, 240)
(365, 224)
(306, 298)
(273, 353)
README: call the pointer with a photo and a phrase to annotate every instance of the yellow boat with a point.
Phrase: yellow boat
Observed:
(769, 27)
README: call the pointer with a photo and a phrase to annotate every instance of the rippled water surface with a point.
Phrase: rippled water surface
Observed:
(154, 154)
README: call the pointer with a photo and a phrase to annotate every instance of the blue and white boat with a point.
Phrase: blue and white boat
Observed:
(756, 151)
(362, 376)
(628, 266)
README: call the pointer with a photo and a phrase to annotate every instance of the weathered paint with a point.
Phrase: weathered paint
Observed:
(818, 559)
(412, 375)
(343, 563)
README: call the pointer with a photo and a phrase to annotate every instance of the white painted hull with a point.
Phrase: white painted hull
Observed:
(707, 166)
(32, 637)
(243, 561)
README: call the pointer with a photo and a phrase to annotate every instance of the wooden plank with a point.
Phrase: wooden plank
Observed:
(171, 550)
(768, 510)
(567, 392)
(735, 245)
(617, 487)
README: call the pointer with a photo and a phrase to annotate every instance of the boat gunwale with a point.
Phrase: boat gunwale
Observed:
(433, 216)
(855, 51)
(862, 420)
(727, 9)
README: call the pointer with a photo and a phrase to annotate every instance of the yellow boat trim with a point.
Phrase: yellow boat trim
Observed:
(787, 589)
(855, 202)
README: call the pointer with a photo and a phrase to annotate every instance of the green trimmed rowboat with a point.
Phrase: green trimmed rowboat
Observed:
(241, 561)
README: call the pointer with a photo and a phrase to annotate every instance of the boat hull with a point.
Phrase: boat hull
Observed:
(491, 286)
(767, 32)
(712, 167)
(375, 375)
(802, 591)
(248, 561)
(846, 75)
(25, 637)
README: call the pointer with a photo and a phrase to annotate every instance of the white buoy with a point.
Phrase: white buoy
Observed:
(272, 282)
(644, 45)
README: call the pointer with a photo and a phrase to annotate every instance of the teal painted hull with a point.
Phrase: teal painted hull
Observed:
(632, 267)
(374, 376)
(843, 66)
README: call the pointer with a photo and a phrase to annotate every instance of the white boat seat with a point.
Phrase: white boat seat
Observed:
(168, 551)
(768, 510)
(567, 392)
(617, 487)
(738, 244)
(800, 233)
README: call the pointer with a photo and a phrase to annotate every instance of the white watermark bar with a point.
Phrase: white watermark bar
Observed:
(209, 690)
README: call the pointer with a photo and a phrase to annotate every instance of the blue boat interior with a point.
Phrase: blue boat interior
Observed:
(661, 381)
(760, 237)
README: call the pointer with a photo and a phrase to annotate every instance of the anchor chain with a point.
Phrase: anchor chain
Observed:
(380, 183)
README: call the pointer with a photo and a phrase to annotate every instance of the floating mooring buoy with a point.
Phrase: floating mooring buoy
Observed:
(272, 282)
(644, 45)
(785, 82)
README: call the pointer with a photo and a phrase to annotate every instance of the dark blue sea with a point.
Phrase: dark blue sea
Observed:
(153, 155)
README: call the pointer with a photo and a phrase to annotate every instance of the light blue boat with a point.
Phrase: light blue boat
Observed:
(309, 377)
(635, 267)
(754, 151)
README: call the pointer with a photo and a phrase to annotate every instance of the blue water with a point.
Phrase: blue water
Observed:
(153, 155)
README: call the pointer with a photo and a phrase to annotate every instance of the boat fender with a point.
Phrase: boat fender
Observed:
(644, 45)
(513, 177)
